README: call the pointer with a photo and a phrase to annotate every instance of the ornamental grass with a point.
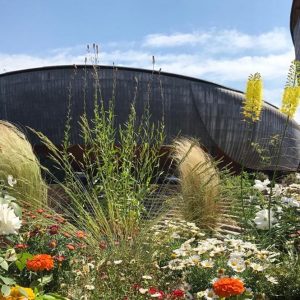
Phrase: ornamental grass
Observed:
(17, 159)
(199, 183)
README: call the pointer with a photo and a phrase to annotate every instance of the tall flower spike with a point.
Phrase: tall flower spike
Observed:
(253, 98)
(291, 93)
(290, 100)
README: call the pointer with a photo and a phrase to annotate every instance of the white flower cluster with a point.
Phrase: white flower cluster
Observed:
(285, 198)
(176, 229)
(9, 222)
(239, 255)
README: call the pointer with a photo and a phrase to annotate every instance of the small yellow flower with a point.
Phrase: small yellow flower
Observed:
(253, 98)
(290, 100)
(19, 293)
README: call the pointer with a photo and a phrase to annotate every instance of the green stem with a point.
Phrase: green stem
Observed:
(274, 174)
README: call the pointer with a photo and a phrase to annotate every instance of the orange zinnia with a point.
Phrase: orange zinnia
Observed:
(40, 262)
(227, 287)
(80, 234)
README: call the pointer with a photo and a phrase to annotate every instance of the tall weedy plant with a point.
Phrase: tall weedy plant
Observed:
(251, 111)
(290, 102)
(119, 162)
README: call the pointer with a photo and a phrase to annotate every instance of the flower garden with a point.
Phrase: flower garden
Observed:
(120, 235)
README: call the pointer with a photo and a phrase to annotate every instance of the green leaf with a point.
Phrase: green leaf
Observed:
(7, 280)
(4, 265)
(17, 209)
(5, 290)
(45, 279)
(41, 281)
(53, 296)
(22, 259)
(10, 255)
(49, 297)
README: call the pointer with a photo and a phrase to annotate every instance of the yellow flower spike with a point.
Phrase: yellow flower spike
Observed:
(253, 98)
(290, 100)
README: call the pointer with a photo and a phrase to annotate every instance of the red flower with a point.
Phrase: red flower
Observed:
(80, 234)
(48, 216)
(136, 286)
(227, 287)
(177, 294)
(67, 235)
(40, 262)
(59, 219)
(21, 246)
(70, 247)
(39, 211)
(53, 229)
(34, 232)
(153, 290)
(102, 245)
(59, 258)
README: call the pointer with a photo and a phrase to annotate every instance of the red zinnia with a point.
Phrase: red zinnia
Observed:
(59, 219)
(227, 287)
(177, 294)
(53, 229)
(70, 247)
(21, 246)
(59, 258)
(34, 232)
(153, 290)
(102, 245)
(40, 262)
(136, 286)
(80, 234)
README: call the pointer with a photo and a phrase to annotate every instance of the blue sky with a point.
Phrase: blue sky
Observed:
(218, 40)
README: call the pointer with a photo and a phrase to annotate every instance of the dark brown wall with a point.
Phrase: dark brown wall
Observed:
(38, 98)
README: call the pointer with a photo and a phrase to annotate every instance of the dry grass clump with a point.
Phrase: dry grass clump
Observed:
(199, 183)
(17, 159)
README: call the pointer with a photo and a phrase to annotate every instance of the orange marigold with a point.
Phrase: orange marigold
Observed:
(227, 287)
(40, 262)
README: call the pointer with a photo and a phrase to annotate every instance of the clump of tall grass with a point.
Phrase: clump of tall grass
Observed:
(17, 159)
(199, 183)
(119, 163)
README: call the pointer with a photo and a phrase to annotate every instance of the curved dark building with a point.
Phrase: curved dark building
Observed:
(38, 98)
(295, 27)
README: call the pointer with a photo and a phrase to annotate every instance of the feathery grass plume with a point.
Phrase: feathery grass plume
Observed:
(291, 93)
(199, 182)
(253, 98)
(17, 159)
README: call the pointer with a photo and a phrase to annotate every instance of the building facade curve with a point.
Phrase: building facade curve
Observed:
(38, 98)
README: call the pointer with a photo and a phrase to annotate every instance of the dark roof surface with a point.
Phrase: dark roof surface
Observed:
(128, 69)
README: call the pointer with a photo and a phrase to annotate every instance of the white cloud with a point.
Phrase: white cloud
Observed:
(226, 57)
(223, 40)
(177, 39)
